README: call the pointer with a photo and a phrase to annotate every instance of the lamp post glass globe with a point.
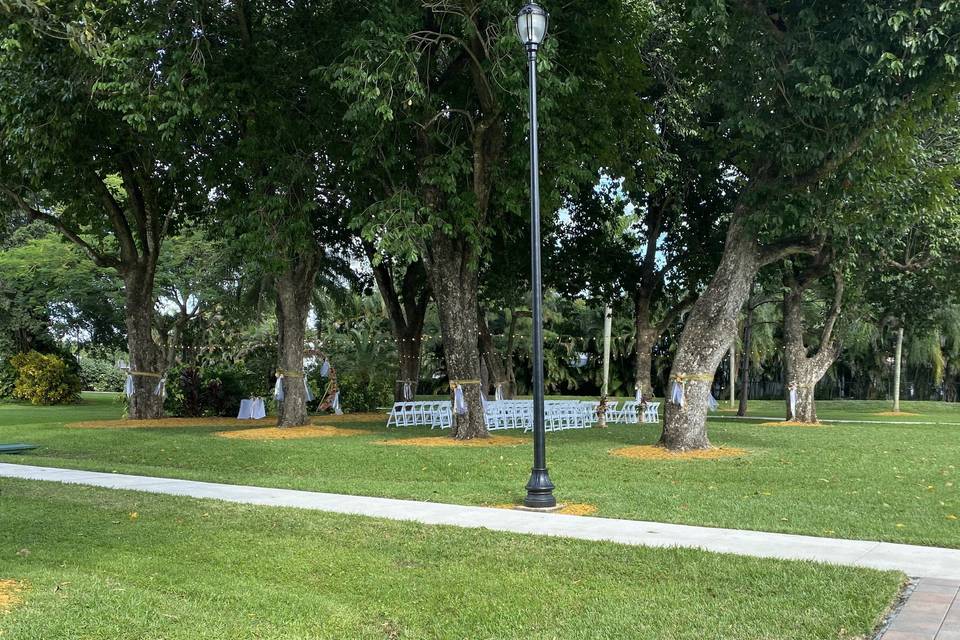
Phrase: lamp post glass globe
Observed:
(532, 24)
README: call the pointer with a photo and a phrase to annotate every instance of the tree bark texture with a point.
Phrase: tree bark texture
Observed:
(706, 337)
(645, 337)
(805, 367)
(452, 270)
(711, 324)
(293, 289)
(145, 357)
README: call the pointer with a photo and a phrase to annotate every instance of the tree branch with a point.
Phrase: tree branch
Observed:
(128, 248)
(826, 336)
(676, 311)
(788, 247)
(99, 258)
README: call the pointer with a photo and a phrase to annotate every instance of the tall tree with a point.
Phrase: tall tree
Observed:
(113, 174)
(440, 88)
(802, 93)
(274, 158)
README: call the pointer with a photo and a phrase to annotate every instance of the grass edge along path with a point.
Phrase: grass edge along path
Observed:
(860, 482)
(121, 565)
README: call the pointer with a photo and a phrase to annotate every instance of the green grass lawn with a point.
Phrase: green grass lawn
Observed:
(867, 481)
(100, 564)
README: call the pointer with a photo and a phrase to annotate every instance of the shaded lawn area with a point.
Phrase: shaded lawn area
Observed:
(120, 565)
(895, 483)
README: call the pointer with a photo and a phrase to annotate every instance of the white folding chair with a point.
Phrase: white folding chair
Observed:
(652, 413)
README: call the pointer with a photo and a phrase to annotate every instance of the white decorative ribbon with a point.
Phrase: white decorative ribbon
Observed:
(793, 400)
(498, 392)
(407, 391)
(676, 392)
(335, 404)
(161, 389)
(325, 368)
(639, 396)
(278, 389)
(128, 386)
(306, 387)
(459, 402)
(712, 403)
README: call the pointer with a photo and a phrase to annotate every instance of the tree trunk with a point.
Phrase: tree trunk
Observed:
(406, 309)
(452, 270)
(804, 370)
(645, 337)
(145, 403)
(510, 373)
(408, 351)
(490, 357)
(745, 363)
(897, 360)
(733, 373)
(293, 288)
(706, 337)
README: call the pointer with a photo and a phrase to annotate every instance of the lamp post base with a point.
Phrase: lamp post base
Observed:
(539, 491)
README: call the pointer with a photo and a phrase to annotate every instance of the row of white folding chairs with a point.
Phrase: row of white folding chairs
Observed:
(435, 414)
(518, 414)
(569, 414)
(557, 414)
(631, 413)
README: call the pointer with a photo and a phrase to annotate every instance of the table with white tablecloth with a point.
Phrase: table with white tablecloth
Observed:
(252, 409)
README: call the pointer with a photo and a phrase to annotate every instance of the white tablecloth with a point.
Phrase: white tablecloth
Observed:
(251, 409)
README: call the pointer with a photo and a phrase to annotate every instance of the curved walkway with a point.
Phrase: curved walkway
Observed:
(916, 561)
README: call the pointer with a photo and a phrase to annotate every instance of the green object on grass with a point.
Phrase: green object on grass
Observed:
(16, 448)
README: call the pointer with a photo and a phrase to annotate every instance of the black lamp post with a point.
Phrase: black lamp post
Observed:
(532, 28)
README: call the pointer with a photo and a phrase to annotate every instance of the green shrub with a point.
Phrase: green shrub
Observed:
(208, 391)
(362, 392)
(224, 386)
(8, 379)
(100, 375)
(44, 379)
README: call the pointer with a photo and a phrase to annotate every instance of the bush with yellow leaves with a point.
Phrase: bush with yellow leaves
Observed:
(44, 379)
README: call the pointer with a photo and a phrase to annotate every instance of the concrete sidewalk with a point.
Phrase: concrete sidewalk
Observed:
(916, 561)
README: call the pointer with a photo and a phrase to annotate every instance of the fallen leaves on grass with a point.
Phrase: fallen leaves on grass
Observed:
(569, 509)
(895, 413)
(652, 452)
(791, 423)
(168, 423)
(352, 417)
(445, 441)
(10, 594)
(289, 433)
(217, 422)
